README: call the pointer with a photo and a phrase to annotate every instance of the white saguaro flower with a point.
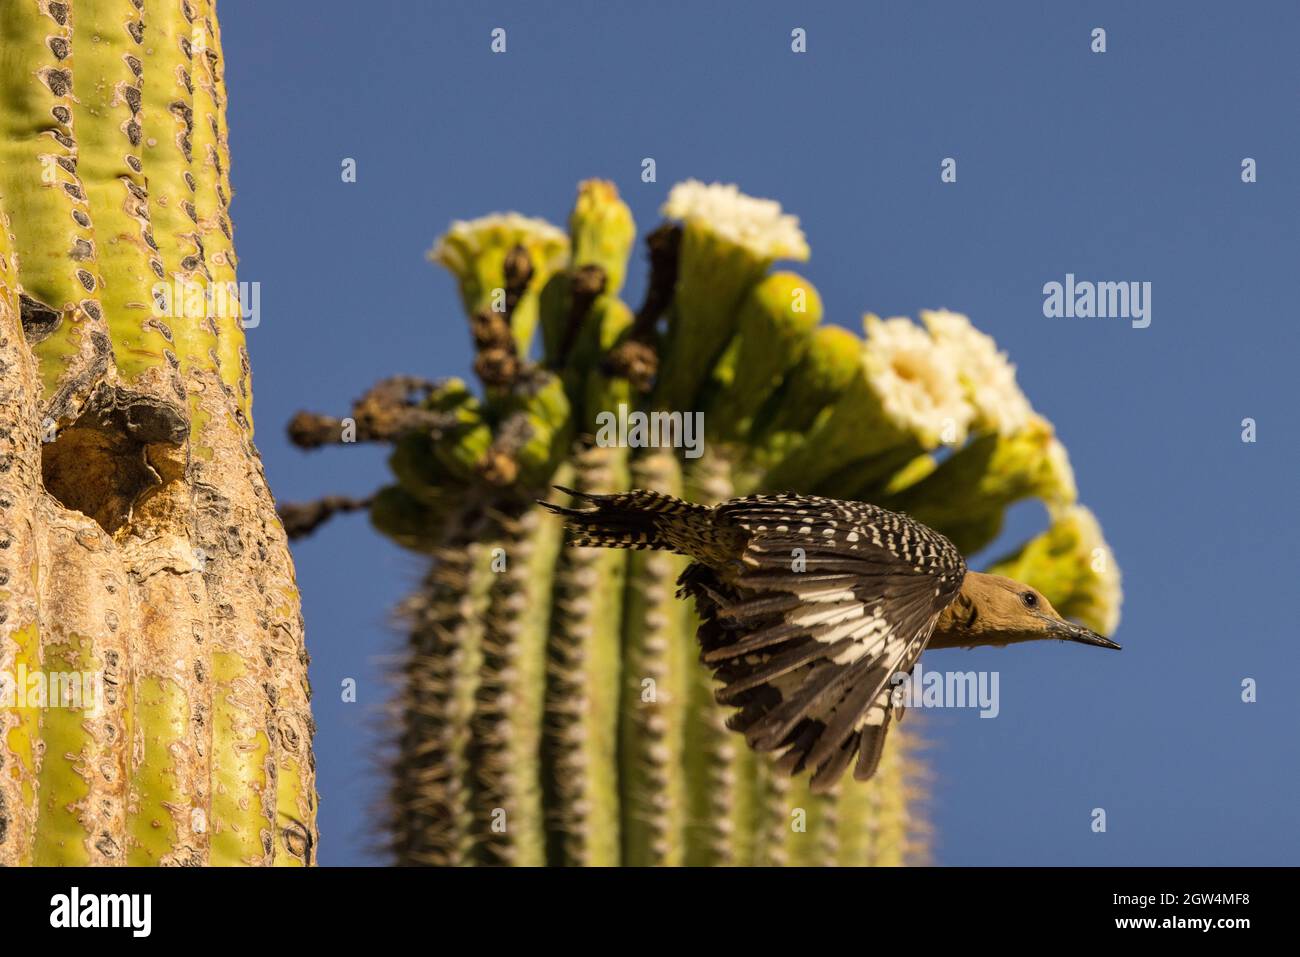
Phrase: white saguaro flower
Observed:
(918, 383)
(987, 376)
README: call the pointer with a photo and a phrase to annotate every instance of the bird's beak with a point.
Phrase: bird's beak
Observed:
(1069, 631)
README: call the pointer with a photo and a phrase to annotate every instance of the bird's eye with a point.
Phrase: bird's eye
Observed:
(1030, 599)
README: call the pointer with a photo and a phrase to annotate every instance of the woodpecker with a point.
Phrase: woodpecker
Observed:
(810, 607)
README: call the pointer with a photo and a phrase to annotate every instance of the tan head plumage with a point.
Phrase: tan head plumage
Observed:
(992, 610)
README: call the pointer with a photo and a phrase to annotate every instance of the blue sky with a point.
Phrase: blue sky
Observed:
(1116, 166)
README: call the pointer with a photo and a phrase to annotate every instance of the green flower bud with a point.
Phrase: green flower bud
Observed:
(411, 522)
(772, 334)
(461, 448)
(418, 469)
(602, 231)
(533, 432)
(975, 485)
(829, 365)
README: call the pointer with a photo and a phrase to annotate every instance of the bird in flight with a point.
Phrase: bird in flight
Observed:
(811, 607)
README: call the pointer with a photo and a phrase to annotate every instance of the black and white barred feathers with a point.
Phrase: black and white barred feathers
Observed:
(809, 607)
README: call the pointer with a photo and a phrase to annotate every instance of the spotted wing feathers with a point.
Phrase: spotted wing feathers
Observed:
(833, 600)
(809, 608)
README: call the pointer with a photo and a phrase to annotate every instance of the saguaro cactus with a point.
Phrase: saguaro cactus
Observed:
(553, 708)
(153, 684)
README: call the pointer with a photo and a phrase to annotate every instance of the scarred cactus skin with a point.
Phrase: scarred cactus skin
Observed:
(553, 710)
(141, 547)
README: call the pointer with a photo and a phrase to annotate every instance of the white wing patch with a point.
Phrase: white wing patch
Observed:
(817, 650)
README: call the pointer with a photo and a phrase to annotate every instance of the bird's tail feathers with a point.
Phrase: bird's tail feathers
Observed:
(635, 519)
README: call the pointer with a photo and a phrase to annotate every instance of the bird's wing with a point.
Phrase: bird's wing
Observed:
(829, 601)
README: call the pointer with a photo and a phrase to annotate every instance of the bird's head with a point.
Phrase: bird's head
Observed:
(992, 610)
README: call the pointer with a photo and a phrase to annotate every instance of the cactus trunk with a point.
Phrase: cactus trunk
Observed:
(143, 556)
